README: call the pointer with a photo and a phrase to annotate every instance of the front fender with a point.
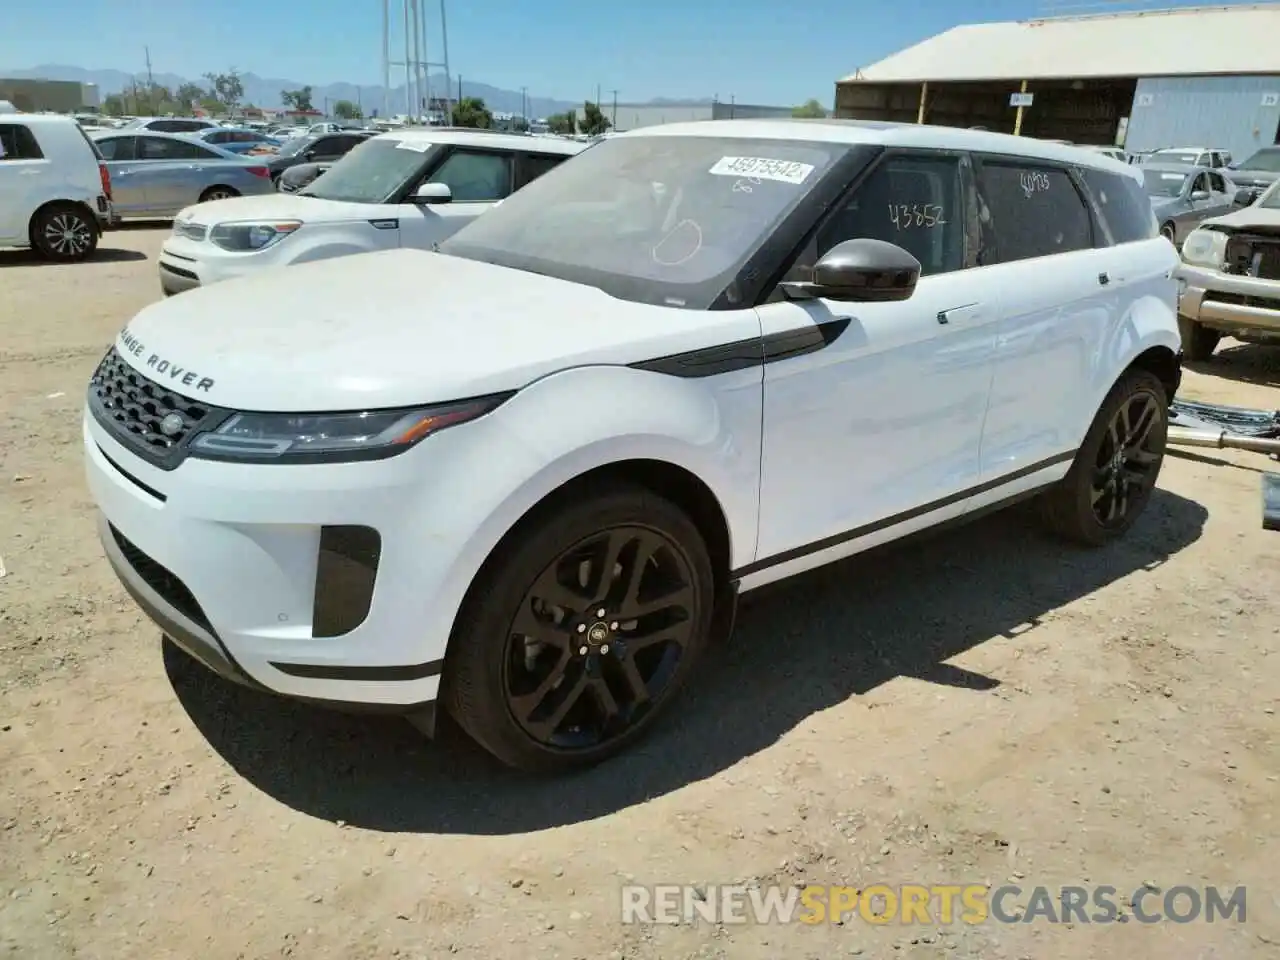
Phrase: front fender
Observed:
(327, 250)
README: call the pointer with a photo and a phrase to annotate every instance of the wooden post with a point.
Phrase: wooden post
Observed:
(924, 93)
(1017, 122)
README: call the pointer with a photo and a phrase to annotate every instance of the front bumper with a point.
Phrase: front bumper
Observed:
(185, 264)
(230, 561)
(1228, 303)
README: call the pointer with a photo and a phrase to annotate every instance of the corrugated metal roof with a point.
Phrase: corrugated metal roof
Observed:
(1243, 39)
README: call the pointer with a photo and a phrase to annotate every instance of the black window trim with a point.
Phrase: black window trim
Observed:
(523, 157)
(968, 211)
(1096, 239)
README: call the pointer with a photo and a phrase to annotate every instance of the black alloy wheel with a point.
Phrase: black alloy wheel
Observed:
(584, 624)
(1125, 469)
(1115, 470)
(598, 638)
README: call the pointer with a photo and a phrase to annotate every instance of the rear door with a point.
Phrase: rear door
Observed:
(174, 172)
(1221, 195)
(22, 170)
(478, 178)
(1038, 245)
(128, 189)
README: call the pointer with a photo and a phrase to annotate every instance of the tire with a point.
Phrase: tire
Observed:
(1198, 341)
(218, 193)
(500, 688)
(64, 233)
(1169, 232)
(1073, 508)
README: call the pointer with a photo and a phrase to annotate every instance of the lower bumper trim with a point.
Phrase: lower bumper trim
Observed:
(314, 671)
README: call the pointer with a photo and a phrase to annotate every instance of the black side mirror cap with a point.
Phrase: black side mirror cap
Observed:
(860, 271)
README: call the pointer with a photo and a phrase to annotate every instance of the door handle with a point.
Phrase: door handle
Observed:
(1104, 279)
(955, 313)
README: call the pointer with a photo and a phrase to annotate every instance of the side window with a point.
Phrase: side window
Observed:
(1029, 210)
(218, 137)
(117, 148)
(915, 202)
(18, 143)
(328, 148)
(161, 126)
(475, 177)
(536, 164)
(1217, 184)
(158, 148)
(1123, 205)
(1202, 183)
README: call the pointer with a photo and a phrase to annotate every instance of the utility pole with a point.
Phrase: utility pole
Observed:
(424, 91)
(416, 14)
(524, 104)
(408, 59)
(613, 117)
(386, 58)
(151, 86)
(444, 53)
(597, 95)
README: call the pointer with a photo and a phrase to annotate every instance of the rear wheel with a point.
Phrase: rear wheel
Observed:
(218, 193)
(584, 630)
(1116, 468)
(64, 232)
(1169, 232)
(1198, 341)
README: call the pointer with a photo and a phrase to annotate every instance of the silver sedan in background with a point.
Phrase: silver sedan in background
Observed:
(157, 174)
(1182, 195)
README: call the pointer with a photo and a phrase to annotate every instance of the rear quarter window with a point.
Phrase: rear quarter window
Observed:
(1122, 204)
(17, 142)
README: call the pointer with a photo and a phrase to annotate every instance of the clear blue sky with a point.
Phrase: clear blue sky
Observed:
(760, 51)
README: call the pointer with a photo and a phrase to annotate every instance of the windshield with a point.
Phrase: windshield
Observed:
(371, 172)
(1177, 156)
(295, 145)
(1268, 160)
(1163, 183)
(1270, 199)
(657, 219)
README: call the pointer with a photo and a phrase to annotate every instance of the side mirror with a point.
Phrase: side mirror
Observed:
(432, 193)
(860, 271)
(1199, 195)
(1243, 198)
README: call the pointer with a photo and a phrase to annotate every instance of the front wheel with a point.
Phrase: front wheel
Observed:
(1170, 233)
(582, 631)
(65, 233)
(1116, 468)
(218, 193)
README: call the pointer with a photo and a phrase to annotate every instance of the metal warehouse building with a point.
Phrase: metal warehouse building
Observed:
(1192, 76)
(631, 116)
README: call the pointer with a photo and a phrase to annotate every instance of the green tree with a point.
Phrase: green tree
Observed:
(188, 94)
(471, 112)
(113, 105)
(346, 110)
(299, 99)
(594, 122)
(565, 124)
(809, 110)
(227, 88)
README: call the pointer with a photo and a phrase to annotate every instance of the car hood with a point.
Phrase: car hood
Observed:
(397, 328)
(281, 207)
(1245, 218)
(1253, 178)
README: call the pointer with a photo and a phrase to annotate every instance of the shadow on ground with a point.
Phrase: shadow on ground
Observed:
(29, 258)
(1247, 363)
(799, 648)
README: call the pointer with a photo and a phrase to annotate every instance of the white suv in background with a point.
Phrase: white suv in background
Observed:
(527, 475)
(410, 189)
(55, 192)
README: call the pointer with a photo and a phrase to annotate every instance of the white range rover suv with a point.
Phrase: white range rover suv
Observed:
(408, 189)
(527, 475)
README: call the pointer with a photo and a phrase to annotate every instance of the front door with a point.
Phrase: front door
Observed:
(883, 425)
(477, 179)
(128, 189)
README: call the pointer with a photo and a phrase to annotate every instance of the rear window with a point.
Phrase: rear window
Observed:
(1123, 204)
(17, 142)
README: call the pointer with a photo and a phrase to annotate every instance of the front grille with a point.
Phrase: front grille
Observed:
(177, 271)
(133, 409)
(1247, 257)
(190, 230)
(160, 579)
(1240, 300)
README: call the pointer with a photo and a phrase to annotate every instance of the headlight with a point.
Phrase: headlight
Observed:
(312, 437)
(249, 236)
(1205, 248)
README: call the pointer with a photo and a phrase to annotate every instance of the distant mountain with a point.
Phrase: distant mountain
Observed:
(265, 91)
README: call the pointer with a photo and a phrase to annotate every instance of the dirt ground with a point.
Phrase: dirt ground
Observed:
(985, 707)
